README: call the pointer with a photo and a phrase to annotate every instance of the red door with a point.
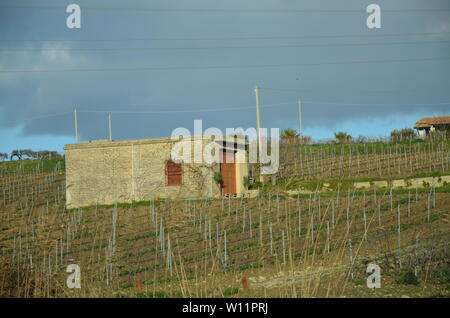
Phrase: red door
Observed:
(228, 172)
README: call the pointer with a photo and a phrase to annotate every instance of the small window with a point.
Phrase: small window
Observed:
(174, 173)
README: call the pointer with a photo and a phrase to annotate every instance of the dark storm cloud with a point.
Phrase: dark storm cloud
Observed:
(328, 87)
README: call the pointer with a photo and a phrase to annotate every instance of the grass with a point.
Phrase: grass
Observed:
(358, 282)
(442, 274)
(158, 294)
(28, 165)
(406, 276)
(230, 292)
(344, 184)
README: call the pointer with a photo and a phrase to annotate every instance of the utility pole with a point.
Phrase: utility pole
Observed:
(110, 127)
(76, 125)
(258, 121)
(258, 124)
(300, 132)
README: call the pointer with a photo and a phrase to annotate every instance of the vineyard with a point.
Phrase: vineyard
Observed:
(305, 245)
(366, 161)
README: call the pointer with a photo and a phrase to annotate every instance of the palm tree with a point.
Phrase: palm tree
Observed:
(342, 137)
(288, 133)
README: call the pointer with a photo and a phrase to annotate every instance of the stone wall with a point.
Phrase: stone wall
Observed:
(106, 172)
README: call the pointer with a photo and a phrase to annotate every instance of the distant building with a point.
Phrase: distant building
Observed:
(429, 124)
(106, 172)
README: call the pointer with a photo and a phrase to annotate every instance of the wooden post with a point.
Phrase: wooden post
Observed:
(244, 284)
(76, 125)
(409, 203)
(350, 253)
(250, 222)
(416, 251)
(434, 195)
(379, 213)
(390, 194)
(258, 122)
(318, 204)
(139, 286)
(309, 204)
(210, 236)
(365, 224)
(332, 213)
(260, 230)
(328, 236)
(348, 221)
(217, 235)
(225, 248)
(110, 126)
(299, 221)
(243, 221)
(271, 238)
(398, 238)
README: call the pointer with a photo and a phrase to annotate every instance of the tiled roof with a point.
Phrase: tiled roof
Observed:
(428, 121)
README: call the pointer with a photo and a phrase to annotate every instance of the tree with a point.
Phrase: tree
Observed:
(404, 134)
(3, 156)
(342, 137)
(288, 133)
(43, 154)
(16, 153)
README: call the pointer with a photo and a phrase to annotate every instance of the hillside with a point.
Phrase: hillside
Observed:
(311, 245)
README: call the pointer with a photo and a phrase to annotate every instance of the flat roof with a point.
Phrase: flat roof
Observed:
(102, 143)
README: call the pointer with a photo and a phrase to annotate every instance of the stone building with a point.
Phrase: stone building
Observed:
(106, 172)
(430, 124)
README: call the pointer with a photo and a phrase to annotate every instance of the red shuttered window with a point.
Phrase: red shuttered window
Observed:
(174, 173)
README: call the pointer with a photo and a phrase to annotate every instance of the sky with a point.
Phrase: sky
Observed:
(156, 70)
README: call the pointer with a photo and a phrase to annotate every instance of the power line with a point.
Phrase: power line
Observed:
(375, 104)
(216, 10)
(293, 103)
(149, 112)
(172, 68)
(38, 117)
(334, 91)
(246, 38)
(220, 47)
(181, 111)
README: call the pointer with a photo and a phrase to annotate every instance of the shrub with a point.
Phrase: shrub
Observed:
(342, 137)
(218, 177)
(288, 133)
(407, 277)
(442, 274)
(404, 134)
(246, 182)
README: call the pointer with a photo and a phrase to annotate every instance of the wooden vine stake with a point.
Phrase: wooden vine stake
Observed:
(398, 237)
